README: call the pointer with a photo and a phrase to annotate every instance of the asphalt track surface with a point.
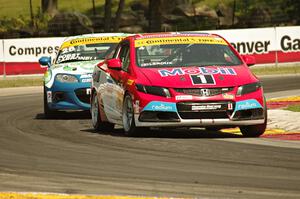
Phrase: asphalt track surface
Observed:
(65, 155)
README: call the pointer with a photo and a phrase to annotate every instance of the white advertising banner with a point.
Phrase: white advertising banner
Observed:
(30, 50)
(1, 51)
(288, 38)
(249, 41)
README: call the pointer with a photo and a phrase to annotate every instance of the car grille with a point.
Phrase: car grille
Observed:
(203, 91)
(82, 95)
(204, 110)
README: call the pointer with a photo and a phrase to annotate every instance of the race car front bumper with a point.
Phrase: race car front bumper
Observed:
(199, 114)
(199, 123)
(69, 96)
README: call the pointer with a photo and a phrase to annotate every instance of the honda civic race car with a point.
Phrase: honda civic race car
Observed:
(177, 80)
(67, 81)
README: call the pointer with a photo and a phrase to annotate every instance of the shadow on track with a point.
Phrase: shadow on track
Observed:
(66, 115)
(171, 133)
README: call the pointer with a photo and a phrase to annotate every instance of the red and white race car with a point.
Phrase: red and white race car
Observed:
(177, 80)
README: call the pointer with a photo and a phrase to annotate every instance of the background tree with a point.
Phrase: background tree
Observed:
(107, 15)
(155, 15)
(49, 7)
(118, 15)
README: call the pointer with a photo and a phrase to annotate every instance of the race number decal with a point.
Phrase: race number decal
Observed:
(202, 79)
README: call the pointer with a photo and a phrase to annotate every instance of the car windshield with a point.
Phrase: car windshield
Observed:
(186, 55)
(85, 52)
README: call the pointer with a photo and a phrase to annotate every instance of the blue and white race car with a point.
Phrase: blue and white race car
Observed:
(67, 81)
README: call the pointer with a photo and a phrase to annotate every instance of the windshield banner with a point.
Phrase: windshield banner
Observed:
(178, 40)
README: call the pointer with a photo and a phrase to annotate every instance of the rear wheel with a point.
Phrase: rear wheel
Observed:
(48, 113)
(128, 117)
(98, 124)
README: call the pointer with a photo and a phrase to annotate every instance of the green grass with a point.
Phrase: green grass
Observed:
(273, 70)
(295, 108)
(21, 82)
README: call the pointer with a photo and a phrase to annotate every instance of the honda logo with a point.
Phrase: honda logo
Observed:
(205, 92)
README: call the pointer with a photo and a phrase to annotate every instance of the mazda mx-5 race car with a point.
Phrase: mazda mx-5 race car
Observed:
(67, 81)
(177, 80)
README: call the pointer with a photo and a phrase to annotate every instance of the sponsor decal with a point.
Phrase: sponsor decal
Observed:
(247, 104)
(229, 106)
(203, 79)
(197, 71)
(183, 97)
(49, 96)
(154, 63)
(73, 56)
(86, 80)
(179, 40)
(68, 68)
(136, 106)
(160, 106)
(85, 76)
(228, 96)
(130, 82)
(92, 40)
(206, 107)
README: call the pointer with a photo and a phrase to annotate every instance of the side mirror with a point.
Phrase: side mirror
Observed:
(249, 60)
(45, 61)
(114, 64)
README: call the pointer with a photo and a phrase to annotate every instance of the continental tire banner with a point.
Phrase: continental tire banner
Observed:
(267, 45)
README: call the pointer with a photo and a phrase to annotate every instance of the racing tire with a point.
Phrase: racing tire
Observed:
(48, 113)
(128, 117)
(255, 130)
(98, 124)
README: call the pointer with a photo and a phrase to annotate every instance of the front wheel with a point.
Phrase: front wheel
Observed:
(255, 130)
(98, 124)
(128, 117)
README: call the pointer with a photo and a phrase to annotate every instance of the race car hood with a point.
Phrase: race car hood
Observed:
(79, 67)
(82, 69)
(193, 77)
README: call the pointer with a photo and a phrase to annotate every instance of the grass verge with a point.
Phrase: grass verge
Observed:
(21, 82)
(295, 108)
(276, 70)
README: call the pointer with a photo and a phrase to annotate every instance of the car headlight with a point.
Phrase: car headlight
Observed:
(66, 78)
(153, 90)
(248, 88)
